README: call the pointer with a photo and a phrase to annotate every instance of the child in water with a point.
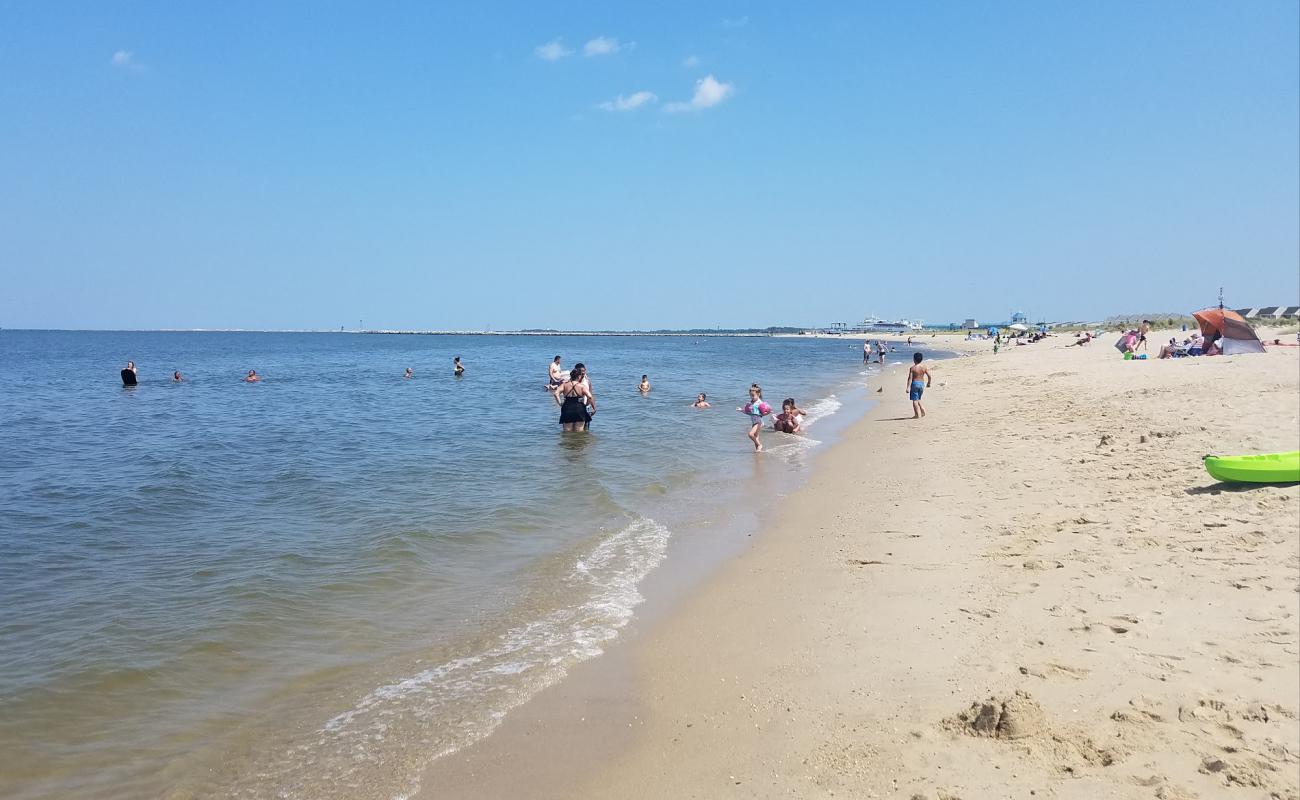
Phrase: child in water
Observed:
(790, 419)
(756, 409)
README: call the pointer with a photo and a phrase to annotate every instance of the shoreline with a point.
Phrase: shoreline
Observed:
(995, 550)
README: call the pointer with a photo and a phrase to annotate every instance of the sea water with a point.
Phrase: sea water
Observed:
(316, 585)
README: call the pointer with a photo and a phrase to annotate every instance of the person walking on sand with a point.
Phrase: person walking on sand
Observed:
(918, 379)
(755, 409)
(574, 398)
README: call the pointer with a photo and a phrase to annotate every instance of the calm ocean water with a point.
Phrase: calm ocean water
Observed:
(314, 586)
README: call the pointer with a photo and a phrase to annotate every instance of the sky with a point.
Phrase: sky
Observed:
(584, 165)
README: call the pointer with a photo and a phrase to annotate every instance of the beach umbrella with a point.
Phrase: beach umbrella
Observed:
(1018, 327)
(1237, 335)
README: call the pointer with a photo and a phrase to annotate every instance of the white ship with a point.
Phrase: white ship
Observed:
(877, 325)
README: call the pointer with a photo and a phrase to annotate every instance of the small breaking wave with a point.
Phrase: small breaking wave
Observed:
(821, 409)
(409, 716)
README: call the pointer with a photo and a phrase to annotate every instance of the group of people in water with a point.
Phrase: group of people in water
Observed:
(573, 394)
(131, 375)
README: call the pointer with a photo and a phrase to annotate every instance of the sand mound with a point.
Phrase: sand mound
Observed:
(1013, 717)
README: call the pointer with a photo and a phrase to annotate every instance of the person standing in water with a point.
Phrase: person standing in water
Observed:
(177, 377)
(129, 375)
(460, 368)
(866, 351)
(755, 409)
(644, 386)
(591, 393)
(554, 374)
(574, 397)
(410, 373)
(252, 377)
(701, 401)
(918, 380)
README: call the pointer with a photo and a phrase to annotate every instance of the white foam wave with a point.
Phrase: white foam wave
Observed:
(821, 409)
(479, 689)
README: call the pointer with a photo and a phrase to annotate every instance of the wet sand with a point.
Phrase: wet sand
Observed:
(1037, 591)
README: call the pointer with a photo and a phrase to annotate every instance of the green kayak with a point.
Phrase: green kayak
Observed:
(1270, 468)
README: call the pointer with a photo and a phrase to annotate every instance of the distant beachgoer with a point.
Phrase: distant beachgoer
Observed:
(918, 380)
(755, 409)
(701, 401)
(880, 351)
(1143, 330)
(790, 420)
(459, 367)
(574, 398)
(129, 375)
(410, 373)
(1211, 346)
(866, 352)
(252, 377)
(177, 377)
(644, 386)
(554, 374)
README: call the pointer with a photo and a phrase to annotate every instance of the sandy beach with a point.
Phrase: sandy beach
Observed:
(1036, 591)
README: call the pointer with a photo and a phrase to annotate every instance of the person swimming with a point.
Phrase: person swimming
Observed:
(410, 373)
(459, 367)
(790, 420)
(644, 386)
(574, 396)
(701, 401)
(129, 375)
(252, 377)
(177, 377)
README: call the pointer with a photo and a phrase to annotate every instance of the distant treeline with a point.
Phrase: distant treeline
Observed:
(1161, 321)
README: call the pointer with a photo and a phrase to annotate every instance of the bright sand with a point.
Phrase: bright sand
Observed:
(1036, 591)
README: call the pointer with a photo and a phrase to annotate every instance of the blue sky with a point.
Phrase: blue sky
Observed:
(599, 165)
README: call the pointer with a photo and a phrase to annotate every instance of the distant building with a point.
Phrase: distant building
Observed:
(1268, 313)
(1019, 318)
(970, 323)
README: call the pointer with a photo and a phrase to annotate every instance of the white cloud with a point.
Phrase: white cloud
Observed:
(708, 93)
(691, 61)
(605, 46)
(736, 22)
(125, 59)
(553, 50)
(629, 103)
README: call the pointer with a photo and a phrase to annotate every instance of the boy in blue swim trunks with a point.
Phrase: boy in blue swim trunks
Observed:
(918, 379)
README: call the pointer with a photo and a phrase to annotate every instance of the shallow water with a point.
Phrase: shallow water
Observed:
(313, 586)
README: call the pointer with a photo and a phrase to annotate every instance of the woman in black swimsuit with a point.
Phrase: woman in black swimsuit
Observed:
(574, 397)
